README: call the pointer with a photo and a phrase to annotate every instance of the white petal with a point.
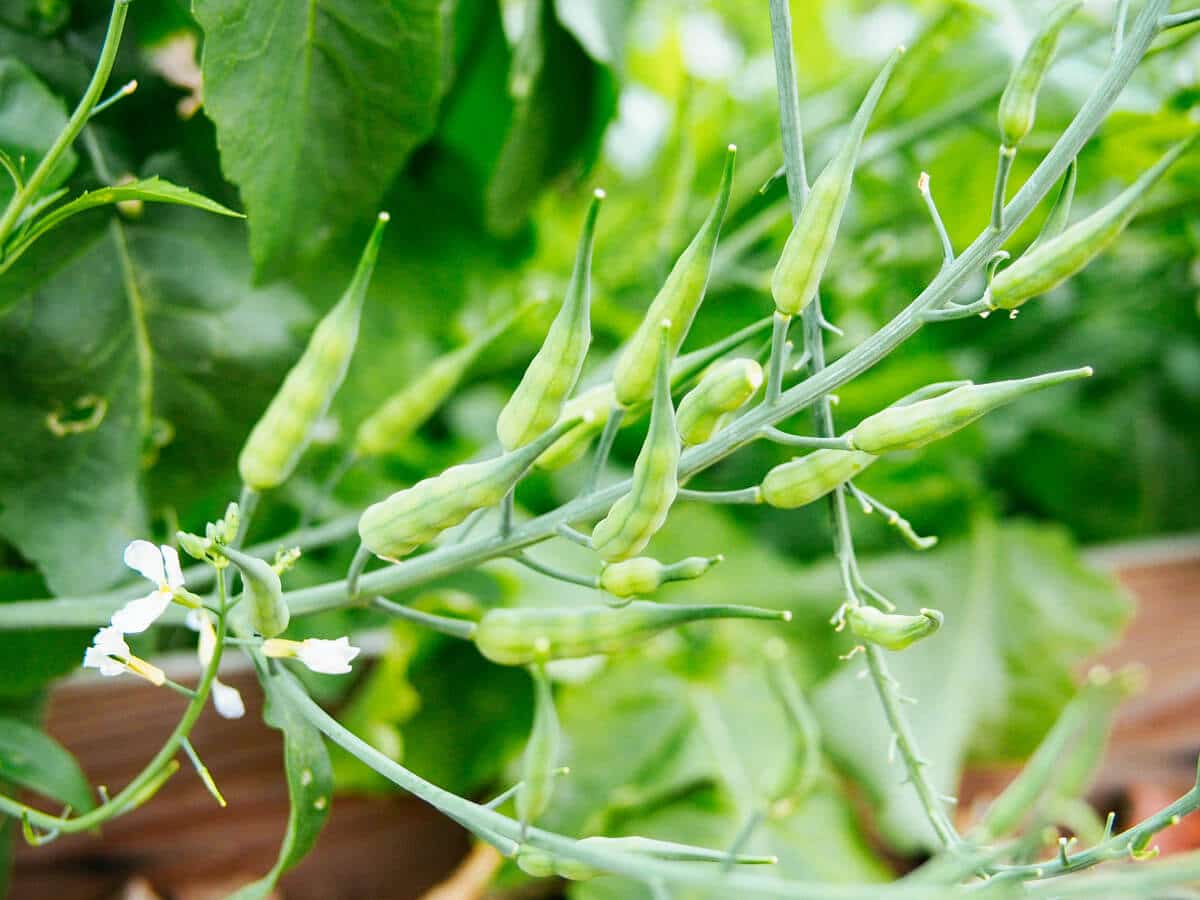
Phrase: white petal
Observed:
(144, 557)
(95, 658)
(207, 645)
(195, 619)
(329, 657)
(174, 574)
(138, 615)
(227, 701)
(111, 639)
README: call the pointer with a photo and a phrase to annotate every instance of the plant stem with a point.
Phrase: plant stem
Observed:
(108, 54)
(779, 354)
(592, 581)
(1003, 167)
(804, 440)
(739, 495)
(459, 628)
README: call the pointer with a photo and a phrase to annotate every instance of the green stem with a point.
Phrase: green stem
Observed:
(779, 354)
(825, 442)
(1007, 154)
(740, 495)
(592, 581)
(108, 54)
(459, 628)
(1187, 17)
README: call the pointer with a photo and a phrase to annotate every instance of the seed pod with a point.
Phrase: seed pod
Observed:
(264, 607)
(412, 406)
(1052, 262)
(536, 403)
(518, 637)
(637, 516)
(594, 406)
(643, 575)
(724, 388)
(891, 630)
(917, 424)
(804, 479)
(541, 754)
(1018, 103)
(542, 864)
(806, 254)
(677, 302)
(285, 429)
(395, 527)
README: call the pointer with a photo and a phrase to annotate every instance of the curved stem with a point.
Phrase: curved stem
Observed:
(592, 581)
(779, 354)
(1007, 155)
(362, 556)
(459, 628)
(740, 495)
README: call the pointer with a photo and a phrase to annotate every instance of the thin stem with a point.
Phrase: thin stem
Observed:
(564, 530)
(607, 437)
(1007, 154)
(750, 495)
(202, 771)
(108, 54)
(533, 565)
(123, 91)
(459, 628)
(507, 508)
(179, 688)
(869, 504)
(247, 506)
(938, 224)
(981, 307)
(779, 354)
(362, 556)
(1187, 17)
(807, 441)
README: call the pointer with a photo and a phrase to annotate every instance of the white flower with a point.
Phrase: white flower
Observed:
(329, 657)
(226, 700)
(111, 655)
(161, 566)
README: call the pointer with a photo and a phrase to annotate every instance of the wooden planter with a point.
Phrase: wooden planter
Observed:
(183, 846)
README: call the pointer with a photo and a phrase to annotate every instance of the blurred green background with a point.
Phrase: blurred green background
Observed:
(482, 126)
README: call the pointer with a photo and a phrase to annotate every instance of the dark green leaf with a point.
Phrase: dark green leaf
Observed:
(34, 760)
(317, 106)
(29, 659)
(31, 117)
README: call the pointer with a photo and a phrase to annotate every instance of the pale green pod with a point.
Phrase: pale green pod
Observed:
(892, 630)
(917, 424)
(386, 429)
(395, 527)
(636, 517)
(536, 403)
(644, 575)
(1053, 261)
(677, 302)
(724, 388)
(518, 637)
(540, 863)
(1018, 103)
(283, 433)
(804, 479)
(797, 275)
(541, 754)
(263, 605)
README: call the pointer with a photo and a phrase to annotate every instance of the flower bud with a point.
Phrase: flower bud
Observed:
(541, 754)
(891, 630)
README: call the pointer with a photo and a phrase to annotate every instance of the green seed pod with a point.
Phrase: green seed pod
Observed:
(264, 607)
(542, 864)
(1053, 261)
(551, 376)
(1018, 103)
(804, 479)
(890, 630)
(412, 406)
(725, 387)
(637, 516)
(541, 754)
(677, 302)
(593, 406)
(643, 575)
(283, 433)
(669, 850)
(518, 637)
(917, 424)
(806, 254)
(395, 527)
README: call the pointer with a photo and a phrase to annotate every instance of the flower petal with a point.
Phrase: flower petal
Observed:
(138, 615)
(144, 557)
(95, 658)
(111, 639)
(207, 644)
(174, 574)
(329, 657)
(227, 701)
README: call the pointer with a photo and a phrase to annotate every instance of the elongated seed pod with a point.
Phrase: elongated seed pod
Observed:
(644, 575)
(541, 754)
(1060, 212)
(551, 376)
(263, 606)
(518, 637)
(1018, 103)
(677, 301)
(806, 254)
(283, 433)
(395, 527)
(725, 387)
(395, 421)
(891, 630)
(917, 424)
(800, 481)
(637, 516)
(1052, 262)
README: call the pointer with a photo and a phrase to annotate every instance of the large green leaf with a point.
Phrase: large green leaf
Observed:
(34, 760)
(1021, 612)
(29, 659)
(317, 105)
(31, 117)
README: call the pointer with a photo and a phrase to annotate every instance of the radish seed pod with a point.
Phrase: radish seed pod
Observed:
(724, 388)
(804, 479)
(1018, 103)
(892, 630)
(284, 431)
(644, 575)
(263, 606)
(541, 753)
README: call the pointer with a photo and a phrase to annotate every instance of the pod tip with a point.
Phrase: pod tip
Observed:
(129, 87)
(385, 217)
(901, 49)
(1087, 371)
(732, 148)
(599, 194)
(720, 557)
(923, 183)
(786, 615)
(665, 323)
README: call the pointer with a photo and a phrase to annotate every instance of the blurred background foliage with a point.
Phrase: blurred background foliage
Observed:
(482, 125)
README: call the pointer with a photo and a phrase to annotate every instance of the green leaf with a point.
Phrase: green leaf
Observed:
(31, 118)
(1021, 611)
(599, 26)
(34, 760)
(317, 106)
(310, 788)
(153, 189)
(29, 659)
